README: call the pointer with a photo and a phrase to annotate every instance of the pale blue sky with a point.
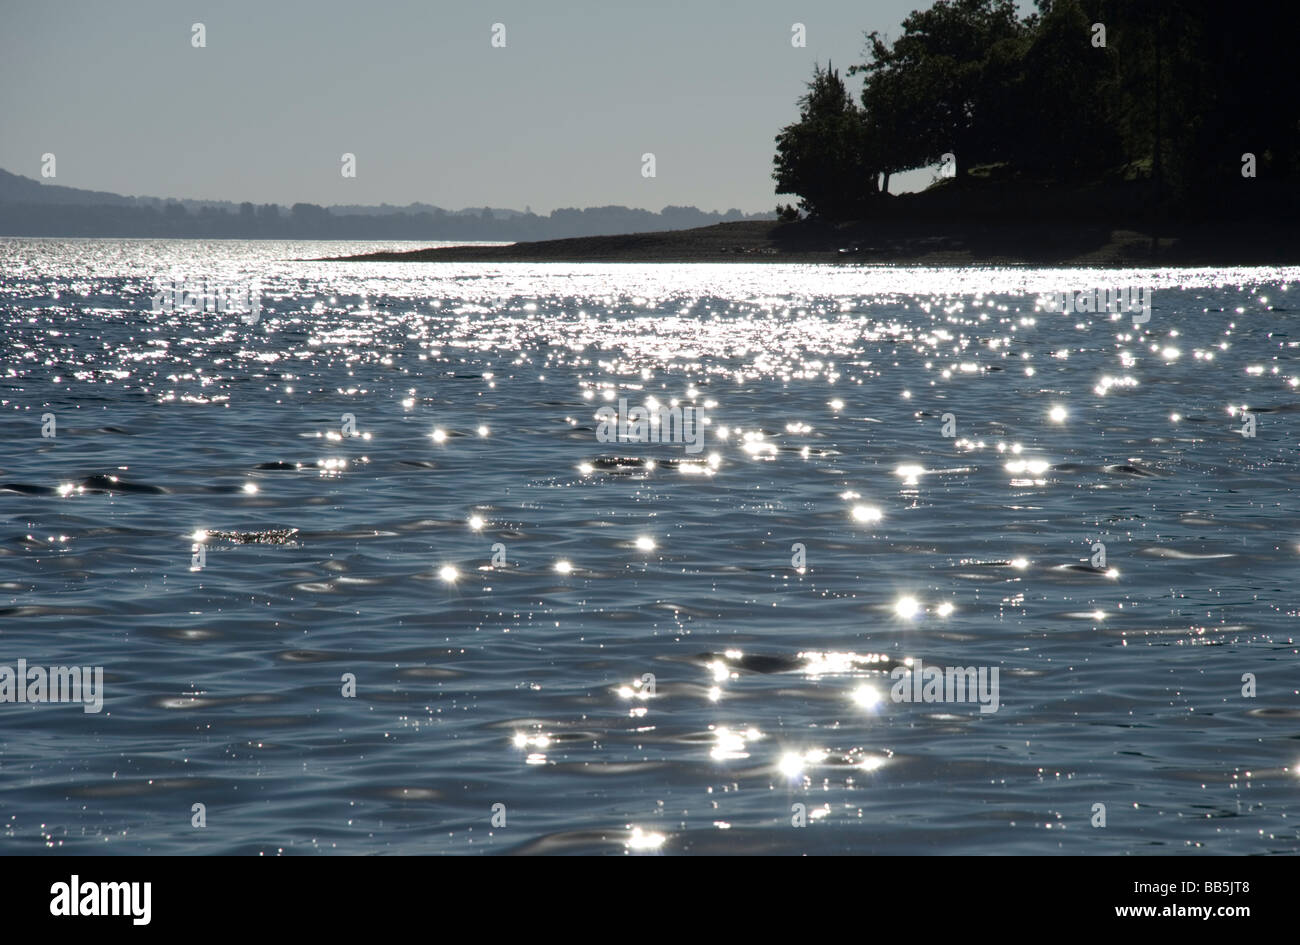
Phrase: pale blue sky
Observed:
(559, 117)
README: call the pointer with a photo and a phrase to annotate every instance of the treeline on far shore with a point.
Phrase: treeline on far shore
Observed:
(309, 221)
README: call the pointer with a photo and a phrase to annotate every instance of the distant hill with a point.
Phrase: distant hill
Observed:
(31, 208)
(17, 189)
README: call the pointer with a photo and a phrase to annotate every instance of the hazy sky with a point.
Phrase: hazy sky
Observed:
(559, 117)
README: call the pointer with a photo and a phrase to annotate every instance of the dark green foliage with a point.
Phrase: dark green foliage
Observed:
(823, 157)
(941, 86)
(1170, 104)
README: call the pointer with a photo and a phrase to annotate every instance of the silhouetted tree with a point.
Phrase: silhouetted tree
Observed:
(940, 86)
(1177, 95)
(823, 156)
(1060, 116)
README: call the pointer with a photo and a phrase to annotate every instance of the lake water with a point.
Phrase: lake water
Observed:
(366, 568)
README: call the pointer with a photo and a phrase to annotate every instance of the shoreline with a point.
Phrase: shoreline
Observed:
(898, 243)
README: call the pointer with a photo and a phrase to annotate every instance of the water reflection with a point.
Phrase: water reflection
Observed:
(628, 644)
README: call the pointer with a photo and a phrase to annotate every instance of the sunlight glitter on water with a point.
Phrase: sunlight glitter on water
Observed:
(501, 583)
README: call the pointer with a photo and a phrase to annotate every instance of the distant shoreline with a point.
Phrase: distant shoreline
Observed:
(895, 242)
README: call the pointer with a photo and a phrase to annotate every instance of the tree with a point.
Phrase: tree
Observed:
(822, 158)
(1185, 95)
(941, 86)
(1076, 138)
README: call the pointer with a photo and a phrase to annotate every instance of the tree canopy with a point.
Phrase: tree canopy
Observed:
(1078, 92)
(823, 157)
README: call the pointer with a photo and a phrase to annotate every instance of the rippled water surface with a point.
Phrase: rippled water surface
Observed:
(634, 647)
